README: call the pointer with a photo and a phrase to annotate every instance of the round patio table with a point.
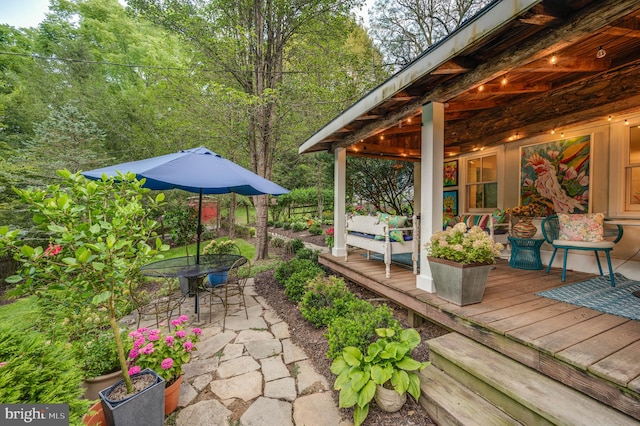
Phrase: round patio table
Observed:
(186, 267)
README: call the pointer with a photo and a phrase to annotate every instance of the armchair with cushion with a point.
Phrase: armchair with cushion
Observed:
(586, 232)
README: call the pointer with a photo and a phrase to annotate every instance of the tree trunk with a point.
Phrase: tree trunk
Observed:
(232, 216)
(262, 211)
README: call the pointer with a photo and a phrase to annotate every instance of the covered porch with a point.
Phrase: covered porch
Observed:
(585, 349)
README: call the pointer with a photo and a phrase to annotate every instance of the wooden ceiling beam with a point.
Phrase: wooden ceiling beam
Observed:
(511, 88)
(564, 64)
(580, 25)
(455, 66)
(470, 105)
(540, 14)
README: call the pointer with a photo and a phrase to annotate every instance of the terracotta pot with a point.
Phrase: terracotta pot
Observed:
(171, 396)
(96, 384)
(388, 399)
(524, 228)
(96, 418)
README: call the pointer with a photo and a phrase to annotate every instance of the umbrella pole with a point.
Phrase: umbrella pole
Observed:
(199, 230)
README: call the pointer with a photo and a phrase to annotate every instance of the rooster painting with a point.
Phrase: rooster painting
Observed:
(556, 175)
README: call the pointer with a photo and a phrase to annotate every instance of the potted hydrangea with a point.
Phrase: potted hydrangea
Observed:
(460, 261)
(164, 353)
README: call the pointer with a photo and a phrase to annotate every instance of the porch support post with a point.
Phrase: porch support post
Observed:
(432, 153)
(339, 201)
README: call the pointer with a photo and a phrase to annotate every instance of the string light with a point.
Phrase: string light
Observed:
(481, 88)
(553, 131)
(626, 122)
(553, 59)
(609, 118)
(601, 53)
(504, 80)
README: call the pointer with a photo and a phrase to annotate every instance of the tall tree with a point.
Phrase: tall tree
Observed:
(253, 45)
(403, 29)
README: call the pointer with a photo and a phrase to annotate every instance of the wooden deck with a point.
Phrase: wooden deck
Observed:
(595, 353)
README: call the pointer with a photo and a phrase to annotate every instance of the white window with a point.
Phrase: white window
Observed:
(482, 183)
(632, 172)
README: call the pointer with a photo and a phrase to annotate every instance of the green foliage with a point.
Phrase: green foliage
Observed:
(294, 245)
(277, 242)
(277, 224)
(325, 299)
(243, 231)
(182, 221)
(298, 226)
(286, 225)
(315, 230)
(38, 371)
(358, 327)
(387, 361)
(100, 235)
(96, 353)
(307, 253)
(296, 284)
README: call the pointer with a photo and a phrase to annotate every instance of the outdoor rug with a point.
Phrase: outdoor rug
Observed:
(403, 259)
(598, 294)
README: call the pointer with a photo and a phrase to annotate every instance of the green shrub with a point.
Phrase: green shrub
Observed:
(307, 253)
(358, 327)
(315, 230)
(277, 224)
(294, 245)
(299, 226)
(277, 242)
(243, 231)
(38, 371)
(325, 299)
(296, 284)
(286, 269)
(286, 225)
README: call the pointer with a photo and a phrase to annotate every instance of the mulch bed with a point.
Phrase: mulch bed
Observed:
(312, 339)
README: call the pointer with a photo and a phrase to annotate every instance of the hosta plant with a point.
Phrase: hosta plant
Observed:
(387, 363)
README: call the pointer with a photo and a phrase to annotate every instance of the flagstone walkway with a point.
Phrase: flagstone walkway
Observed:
(252, 368)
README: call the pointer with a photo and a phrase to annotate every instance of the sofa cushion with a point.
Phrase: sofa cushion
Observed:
(481, 220)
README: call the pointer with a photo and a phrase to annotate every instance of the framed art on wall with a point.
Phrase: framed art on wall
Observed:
(450, 177)
(450, 203)
(554, 176)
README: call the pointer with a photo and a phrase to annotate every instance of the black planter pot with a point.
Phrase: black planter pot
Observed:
(145, 408)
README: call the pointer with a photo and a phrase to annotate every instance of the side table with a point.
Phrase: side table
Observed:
(525, 253)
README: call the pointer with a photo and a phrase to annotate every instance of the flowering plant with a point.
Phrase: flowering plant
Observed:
(164, 354)
(459, 245)
(530, 210)
(220, 247)
(328, 240)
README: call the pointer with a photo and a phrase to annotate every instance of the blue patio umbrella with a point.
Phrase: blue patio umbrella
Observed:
(196, 170)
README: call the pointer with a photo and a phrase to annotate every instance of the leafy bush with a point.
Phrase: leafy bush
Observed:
(294, 245)
(286, 269)
(277, 224)
(243, 231)
(325, 299)
(358, 327)
(315, 230)
(277, 242)
(296, 284)
(38, 371)
(299, 226)
(286, 225)
(307, 253)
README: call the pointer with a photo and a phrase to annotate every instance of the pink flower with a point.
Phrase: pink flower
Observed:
(176, 322)
(139, 342)
(166, 364)
(197, 331)
(134, 370)
(188, 346)
(52, 250)
(133, 353)
(153, 337)
(181, 334)
(148, 349)
(183, 318)
(169, 340)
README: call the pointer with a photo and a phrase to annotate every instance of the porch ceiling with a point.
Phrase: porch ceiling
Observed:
(540, 71)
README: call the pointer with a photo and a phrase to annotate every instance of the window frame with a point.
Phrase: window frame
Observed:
(464, 180)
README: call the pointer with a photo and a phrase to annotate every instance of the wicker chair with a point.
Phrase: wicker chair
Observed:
(551, 232)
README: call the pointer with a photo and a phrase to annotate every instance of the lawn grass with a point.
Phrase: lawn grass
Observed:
(246, 249)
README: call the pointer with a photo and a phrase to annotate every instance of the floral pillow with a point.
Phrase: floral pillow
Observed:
(581, 227)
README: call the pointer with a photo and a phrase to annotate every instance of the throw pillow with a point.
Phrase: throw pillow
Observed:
(394, 236)
(581, 227)
(392, 220)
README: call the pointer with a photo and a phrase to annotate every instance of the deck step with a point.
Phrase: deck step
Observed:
(525, 394)
(450, 403)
